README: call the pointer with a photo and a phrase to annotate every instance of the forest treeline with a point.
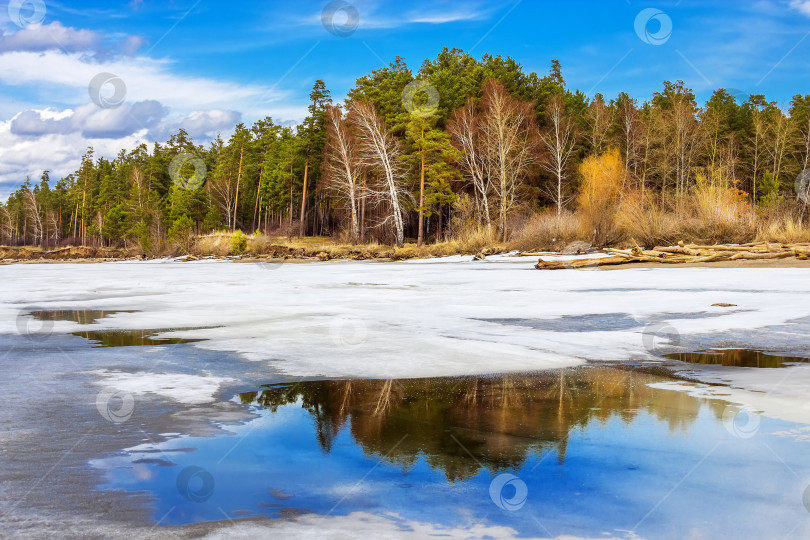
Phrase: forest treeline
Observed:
(460, 145)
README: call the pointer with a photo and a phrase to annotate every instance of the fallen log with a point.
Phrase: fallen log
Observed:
(582, 263)
(757, 256)
(685, 254)
(723, 248)
(677, 249)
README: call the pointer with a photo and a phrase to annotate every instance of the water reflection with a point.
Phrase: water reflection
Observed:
(737, 357)
(596, 448)
(81, 316)
(131, 338)
(463, 425)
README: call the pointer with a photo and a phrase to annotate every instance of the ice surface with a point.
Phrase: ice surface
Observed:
(188, 389)
(436, 317)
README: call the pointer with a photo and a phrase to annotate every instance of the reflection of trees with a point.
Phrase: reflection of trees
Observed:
(461, 425)
(736, 357)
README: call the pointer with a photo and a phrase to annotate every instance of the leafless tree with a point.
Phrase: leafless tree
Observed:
(629, 124)
(781, 132)
(759, 148)
(52, 220)
(6, 225)
(508, 133)
(379, 151)
(463, 126)
(225, 189)
(599, 117)
(342, 171)
(559, 141)
(32, 210)
(804, 133)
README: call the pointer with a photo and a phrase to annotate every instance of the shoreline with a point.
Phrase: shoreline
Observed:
(254, 259)
(296, 254)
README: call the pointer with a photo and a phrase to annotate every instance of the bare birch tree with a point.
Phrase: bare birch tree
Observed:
(781, 132)
(380, 151)
(559, 141)
(342, 171)
(32, 210)
(463, 126)
(508, 132)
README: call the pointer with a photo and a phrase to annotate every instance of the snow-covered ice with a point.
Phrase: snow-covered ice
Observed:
(450, 316)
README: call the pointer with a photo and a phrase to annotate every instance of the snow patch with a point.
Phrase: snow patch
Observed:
(187, 389)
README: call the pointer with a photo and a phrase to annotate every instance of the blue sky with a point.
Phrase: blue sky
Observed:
(205, 65)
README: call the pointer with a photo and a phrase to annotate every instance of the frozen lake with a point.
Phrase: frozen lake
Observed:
(449, 396)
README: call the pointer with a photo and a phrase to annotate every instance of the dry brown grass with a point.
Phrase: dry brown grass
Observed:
(641, 220)
(548, 231)
(714, 211)
(711, 213)
(783, 225)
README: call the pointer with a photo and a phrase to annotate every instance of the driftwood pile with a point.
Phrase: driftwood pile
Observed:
(685, 253)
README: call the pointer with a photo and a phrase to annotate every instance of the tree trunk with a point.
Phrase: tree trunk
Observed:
(420, 237)
(238, 181)
(302, 221)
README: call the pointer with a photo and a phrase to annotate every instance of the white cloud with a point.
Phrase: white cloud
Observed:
(371, 18)
(59, 153)
(55, 36)
(50, 67)
(145, 78)
(90, 120)
(447, 17)
(207, 124)
(802, 6)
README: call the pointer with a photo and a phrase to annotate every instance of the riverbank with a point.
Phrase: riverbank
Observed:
(319, 252)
